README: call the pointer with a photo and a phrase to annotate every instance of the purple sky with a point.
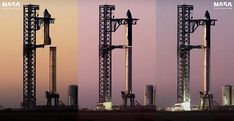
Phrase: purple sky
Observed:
(222, 58)
(154, 53)
(154, 50)
(144, 58)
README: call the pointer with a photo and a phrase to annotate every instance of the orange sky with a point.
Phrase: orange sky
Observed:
(154, 50)
(64, 35)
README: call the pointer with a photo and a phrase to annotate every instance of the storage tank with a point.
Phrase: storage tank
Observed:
(232, 97)
(154, 95)
(148, 94)
(227, 95)
(73, 95)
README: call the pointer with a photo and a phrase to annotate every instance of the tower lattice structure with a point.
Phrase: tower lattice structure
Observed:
(32, 23)
(183, 52)
(105, 56)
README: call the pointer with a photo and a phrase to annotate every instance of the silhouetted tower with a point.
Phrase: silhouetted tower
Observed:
(32, 23)
(185, 26)
(105, 45)
(107, 25)
(183, 53)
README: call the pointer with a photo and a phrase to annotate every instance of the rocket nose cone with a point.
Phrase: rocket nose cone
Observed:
(46, 13)
(129, 15)
(207, 15)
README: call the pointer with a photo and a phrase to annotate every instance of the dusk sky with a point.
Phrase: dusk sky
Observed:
(144, 56)
(64, 35)
(222, 59)
(75, 33)
(154, 50)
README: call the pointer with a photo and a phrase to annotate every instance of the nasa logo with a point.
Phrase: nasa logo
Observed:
(222, 5)
(11, 5)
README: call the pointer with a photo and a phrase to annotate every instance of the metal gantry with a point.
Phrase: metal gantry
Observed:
(29, 59)
(185, 26)
(107, 25)
(105, 45)
(32, 23)
(183, 53)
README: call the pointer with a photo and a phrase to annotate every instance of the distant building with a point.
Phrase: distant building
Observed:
(149, 95)
(232, 97)
(227, 95)
(73, 95)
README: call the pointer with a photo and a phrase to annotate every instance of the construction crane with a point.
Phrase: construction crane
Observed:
(185, 26)
(32, 23)
(107, 25)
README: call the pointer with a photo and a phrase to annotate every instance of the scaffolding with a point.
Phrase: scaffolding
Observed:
(32, 23)
(183, 53)
(105, 45)
(185, 26)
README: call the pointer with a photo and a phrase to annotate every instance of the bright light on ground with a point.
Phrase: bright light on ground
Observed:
(107, 105)
(186, 106)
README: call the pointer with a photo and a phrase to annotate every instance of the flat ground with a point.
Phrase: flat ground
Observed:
(116, 116)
